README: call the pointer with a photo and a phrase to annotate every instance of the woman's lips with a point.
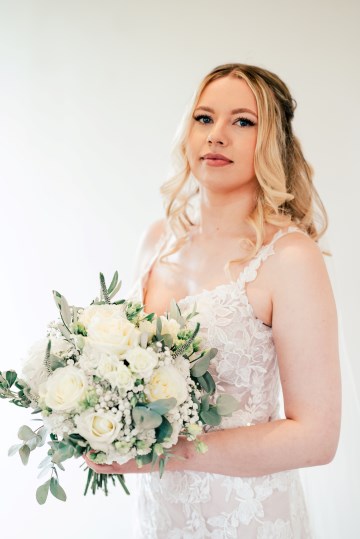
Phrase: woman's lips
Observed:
(216, 159)
(217, 162)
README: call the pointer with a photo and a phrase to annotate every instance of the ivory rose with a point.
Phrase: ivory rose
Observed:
(109, 331)
(142, 362)
(165, 383)
(64, 389)
(99, 428)
(172, 327)
(100, 312)
(34, 371)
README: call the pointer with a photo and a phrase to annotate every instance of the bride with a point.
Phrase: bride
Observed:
(240, 240)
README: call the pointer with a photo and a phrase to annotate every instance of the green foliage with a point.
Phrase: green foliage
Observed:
(211, 416)
(104, 290)
(226, 405)
(97, 482)
(11, 377)
(42, 492)
(175, 313)
(145, 419)
(56, 490)
(162, 406)
(207, 383)
(164, 430)
(24, 453)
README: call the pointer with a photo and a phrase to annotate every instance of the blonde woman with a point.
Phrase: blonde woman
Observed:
(240, 240)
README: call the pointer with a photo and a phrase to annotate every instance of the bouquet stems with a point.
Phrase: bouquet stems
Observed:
(99, 481)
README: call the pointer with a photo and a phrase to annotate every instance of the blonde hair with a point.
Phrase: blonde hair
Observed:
(286, 193)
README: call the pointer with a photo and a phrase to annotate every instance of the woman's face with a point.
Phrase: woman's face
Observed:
(224, 122)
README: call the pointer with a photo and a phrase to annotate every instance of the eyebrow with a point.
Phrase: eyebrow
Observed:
(235, 111)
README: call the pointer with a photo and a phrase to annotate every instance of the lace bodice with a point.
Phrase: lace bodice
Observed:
(197, 505)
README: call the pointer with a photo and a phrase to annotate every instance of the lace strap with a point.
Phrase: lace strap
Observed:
(249, 273)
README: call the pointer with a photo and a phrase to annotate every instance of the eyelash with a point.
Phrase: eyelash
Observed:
(201, 116)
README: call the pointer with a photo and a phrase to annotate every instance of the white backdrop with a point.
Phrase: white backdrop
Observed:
(91, 93)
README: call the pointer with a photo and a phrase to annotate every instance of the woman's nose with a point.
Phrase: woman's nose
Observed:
(217, 135)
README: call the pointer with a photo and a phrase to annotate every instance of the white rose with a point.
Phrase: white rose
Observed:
(122, 378)
(98, 428)
(114, 335)
(34, 372)
(142, 362)
(145, 326)
(108, 364)
(183, 366)
(101, 312)
(64, 389)
(170, 326)
(165, 383)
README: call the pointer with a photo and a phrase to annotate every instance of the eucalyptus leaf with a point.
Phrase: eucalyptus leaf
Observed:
(113, 282)
(158, 328)
(14, 449)
(11, 377)
(65, 332)
(164, 430)
(162, 406)
(115, 291)
(168, 340)
(204, 405)
(207, 383)
(144, 459)
(200, 367)
(211, 416)
(63, 452)
(174, 311)
(42, 432)
(56, 490)
(24, 453)
(42, 492)
(227, 404)
(45, 462)
(145, 418)
(55, 362)
(45, 471)
(32, 443)
(65, 311)
(57, 298)
(25, 433)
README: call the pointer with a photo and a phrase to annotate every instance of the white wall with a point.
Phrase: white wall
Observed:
(91, 93)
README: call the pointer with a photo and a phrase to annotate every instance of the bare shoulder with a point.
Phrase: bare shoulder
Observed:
(148, 243)
(297, 252)
(299, 280)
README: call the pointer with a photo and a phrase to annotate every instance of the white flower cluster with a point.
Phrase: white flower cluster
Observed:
(108, 389)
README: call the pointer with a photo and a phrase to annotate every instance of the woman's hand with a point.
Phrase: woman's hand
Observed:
(182, 450)
(115, 467)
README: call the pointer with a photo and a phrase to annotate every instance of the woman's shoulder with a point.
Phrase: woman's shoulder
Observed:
(292, 239)
(297, 257)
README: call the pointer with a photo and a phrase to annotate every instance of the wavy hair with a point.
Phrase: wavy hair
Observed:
(286, 193)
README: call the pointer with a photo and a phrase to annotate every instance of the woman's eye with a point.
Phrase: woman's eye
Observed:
(202, 118)
(245, 122)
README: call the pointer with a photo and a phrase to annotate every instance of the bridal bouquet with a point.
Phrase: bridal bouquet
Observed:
(115, 381)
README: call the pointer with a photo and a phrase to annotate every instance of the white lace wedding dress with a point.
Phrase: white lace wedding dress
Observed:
(197, 505)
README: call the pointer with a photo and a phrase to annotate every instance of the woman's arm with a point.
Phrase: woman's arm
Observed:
(305, 336)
